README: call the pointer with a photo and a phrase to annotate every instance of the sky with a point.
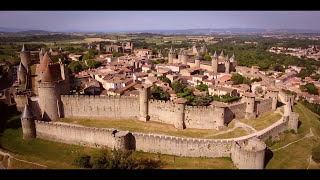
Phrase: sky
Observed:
(107, 21)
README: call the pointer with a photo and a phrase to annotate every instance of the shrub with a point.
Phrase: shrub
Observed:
(82, 161)
(269, 141)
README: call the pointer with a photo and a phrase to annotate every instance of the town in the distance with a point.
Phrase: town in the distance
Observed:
(209, 100)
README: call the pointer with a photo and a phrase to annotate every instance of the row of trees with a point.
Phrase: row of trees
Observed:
(183, 91)
(77, 66)
(239, 79)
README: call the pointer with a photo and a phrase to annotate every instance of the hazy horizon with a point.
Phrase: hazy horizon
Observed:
(112, 21)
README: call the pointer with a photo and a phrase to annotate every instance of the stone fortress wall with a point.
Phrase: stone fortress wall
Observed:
(100, 106)
(246, 152)
(209, 117)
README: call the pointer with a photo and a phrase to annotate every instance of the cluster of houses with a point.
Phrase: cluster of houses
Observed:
(311, 52)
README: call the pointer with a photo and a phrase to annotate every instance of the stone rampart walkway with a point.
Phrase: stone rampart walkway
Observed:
(10, 156)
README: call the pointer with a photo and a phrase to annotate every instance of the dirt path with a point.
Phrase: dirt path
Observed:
(310, 134)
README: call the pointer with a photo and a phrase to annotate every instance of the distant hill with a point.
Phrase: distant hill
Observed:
(212, 31)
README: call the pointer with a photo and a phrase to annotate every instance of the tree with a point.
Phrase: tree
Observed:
(158, 93)
(259, 89)
(202, 87)
(310, 88)
(178, 87)
(202, 100)
(207, 58)
(187, 94)
(75, 66)
(237, 78)
(93, 64)
(165, 79)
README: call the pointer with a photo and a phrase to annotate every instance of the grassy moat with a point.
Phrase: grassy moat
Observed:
(56, 155)
(154, 127)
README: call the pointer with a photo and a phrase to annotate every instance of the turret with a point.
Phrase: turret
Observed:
(49, 92)
(204, 49)
(25, 57)
(178, 118)
(233, 63)
(144, 102)
(197, 60)
(219, 117)
(249, 153)
(172, 54)
(184, 58)
(249, 99)
(273, 93)
(179, 56)
(227, 65)
(22, 74)
(221, 56)
(44, 64)
(160, 54)
(214, 63)
(42, 53)
(28, 124)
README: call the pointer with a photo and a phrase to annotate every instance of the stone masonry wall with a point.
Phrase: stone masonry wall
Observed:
(100, 106)
(161, 111)
(264, 105)
(74, 134)
(236, 110)
(200, 117)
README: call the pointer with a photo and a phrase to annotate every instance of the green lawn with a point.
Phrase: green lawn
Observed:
(296, 155)
(264, 120)
(153, 127)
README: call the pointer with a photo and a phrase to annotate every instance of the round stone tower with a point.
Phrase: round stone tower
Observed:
(233, 63)
(220, 114)
(227, 65)
(144, 101)
(179, 56)
(273, 93)
(179, 107)
(49, 92)
(172, 54)
(28, 124)
(198, 59)
(214, 63)
(22, 74)
(248, 154)
(184, 58)
(249, 99)
(42, 67)
(121, 140)
(41, 54)
(25, 57)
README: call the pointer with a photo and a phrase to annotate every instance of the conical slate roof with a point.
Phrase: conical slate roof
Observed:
(26, 112)
(215, 54)
(233, 56)
(221, 53)
(53, 73)
(172, 50)
(45, 61)
(50, 50)
(227, 58)
(23, 48)
(42, 51)
(21, 68)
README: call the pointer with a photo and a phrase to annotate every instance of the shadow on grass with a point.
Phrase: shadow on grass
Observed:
(9, 118)
(268, 157)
